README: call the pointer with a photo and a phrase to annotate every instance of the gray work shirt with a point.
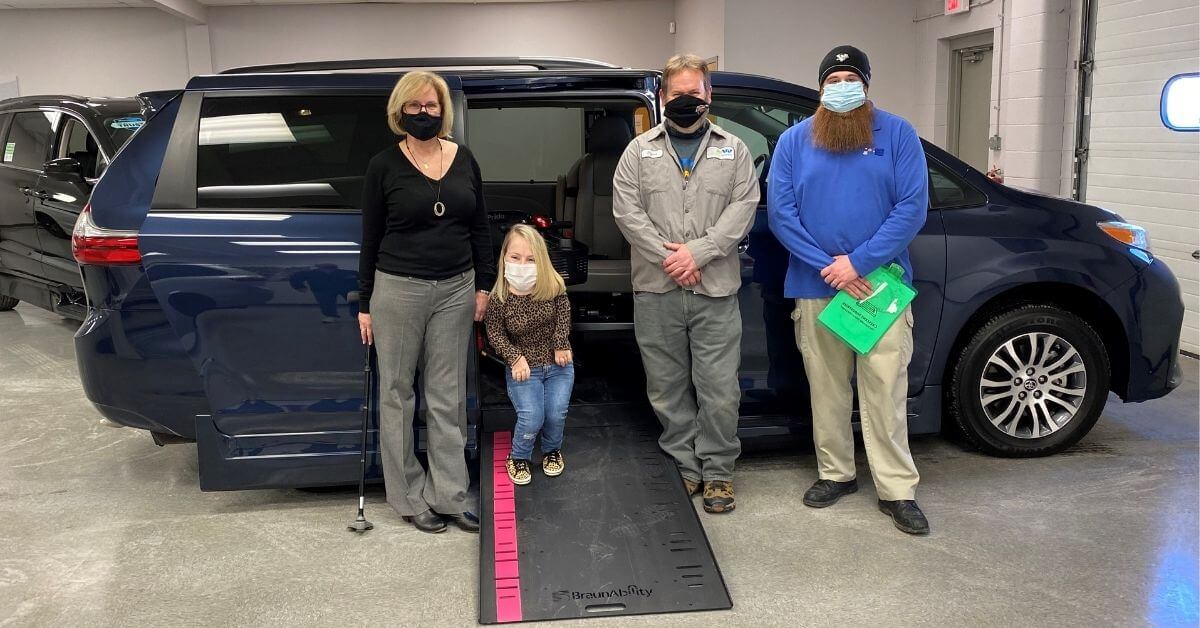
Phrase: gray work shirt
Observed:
(711, 211)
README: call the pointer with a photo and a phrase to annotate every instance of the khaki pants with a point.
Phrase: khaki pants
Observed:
(882, 400)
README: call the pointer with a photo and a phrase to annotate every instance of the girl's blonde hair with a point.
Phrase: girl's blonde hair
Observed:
(408, 88)
(549, 283)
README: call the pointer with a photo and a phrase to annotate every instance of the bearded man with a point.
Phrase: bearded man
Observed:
(847, 194)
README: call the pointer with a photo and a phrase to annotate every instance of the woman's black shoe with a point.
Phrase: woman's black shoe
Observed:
(465, 521)
(827, 492)
(427, 522)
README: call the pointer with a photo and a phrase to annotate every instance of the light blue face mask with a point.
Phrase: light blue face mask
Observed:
(844, 96)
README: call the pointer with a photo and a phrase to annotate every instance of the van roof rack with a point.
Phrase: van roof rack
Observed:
(540, 63)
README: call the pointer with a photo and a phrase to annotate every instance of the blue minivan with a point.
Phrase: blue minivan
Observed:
(219, 255)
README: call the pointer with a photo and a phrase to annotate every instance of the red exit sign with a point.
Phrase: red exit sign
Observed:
(957, 6)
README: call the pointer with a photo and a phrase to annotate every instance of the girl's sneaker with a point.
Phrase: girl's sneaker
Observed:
(553, 464)
(518, 471)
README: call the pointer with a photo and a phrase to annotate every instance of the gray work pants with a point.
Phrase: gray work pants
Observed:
(691, 350)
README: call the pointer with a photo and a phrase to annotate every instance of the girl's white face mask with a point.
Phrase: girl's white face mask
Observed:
(522, 277)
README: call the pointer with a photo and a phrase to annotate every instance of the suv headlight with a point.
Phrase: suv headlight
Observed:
(1126, 233)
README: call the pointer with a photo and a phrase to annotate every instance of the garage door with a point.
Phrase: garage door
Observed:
(1136, 166)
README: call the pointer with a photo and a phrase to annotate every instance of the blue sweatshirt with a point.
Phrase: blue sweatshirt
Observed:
(868, 204)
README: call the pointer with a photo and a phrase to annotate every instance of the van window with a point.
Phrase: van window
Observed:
(947, 190)
(29, 137)
(526, 143)
(288, 151)
(757, 122)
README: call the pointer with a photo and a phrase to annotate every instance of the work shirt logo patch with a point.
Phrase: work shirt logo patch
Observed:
(719, 152)
(651, 153)
(878, 152)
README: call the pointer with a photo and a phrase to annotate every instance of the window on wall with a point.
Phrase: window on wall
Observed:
(1179, 106)
(29, 137)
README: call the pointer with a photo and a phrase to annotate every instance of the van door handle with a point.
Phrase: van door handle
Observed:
(1196, 254)
(743, 246)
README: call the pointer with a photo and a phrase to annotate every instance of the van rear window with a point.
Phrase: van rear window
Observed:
(288, 151)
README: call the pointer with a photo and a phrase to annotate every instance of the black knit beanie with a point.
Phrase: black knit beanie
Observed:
(845, 58)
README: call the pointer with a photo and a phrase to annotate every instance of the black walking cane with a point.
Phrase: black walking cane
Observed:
(361, 524)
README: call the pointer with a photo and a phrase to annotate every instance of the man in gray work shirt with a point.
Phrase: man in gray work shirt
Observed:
(684, 195)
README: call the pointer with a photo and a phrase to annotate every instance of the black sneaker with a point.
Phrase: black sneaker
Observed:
(827, 492)
(906, 515)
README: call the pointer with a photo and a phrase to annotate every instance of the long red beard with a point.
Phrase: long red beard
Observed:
(843, 132)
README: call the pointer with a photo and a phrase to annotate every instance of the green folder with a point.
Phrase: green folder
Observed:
(861, 323)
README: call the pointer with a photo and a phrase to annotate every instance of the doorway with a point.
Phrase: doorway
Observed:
(969, 107)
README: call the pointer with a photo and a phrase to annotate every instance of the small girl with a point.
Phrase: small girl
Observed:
(528, 323)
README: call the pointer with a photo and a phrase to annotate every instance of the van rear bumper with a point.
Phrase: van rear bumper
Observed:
(135, 372)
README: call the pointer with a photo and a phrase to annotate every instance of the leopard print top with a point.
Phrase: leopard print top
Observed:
(523, 326)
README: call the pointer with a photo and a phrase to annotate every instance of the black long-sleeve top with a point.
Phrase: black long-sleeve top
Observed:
(401, 234)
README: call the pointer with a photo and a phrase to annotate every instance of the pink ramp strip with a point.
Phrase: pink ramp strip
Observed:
(504, 534)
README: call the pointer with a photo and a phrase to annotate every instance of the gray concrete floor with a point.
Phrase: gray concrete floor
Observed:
(99, 526)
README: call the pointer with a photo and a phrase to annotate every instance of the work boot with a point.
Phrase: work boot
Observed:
(827, 492)
(553, 464)
(718, 496)
(427, 521)
(691, 486)
(518, 471)
(906, 515)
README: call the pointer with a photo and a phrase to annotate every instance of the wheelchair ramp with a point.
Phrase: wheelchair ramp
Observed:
(616, 534)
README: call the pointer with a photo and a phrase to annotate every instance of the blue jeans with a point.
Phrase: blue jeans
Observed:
(541, 404)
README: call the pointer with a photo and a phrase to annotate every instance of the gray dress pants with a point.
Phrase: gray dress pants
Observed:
(426, 324)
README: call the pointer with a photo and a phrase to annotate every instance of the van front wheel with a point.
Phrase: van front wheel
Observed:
(1031, 382)
(7, 303)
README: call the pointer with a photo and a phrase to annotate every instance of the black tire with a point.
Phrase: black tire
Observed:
(7, 303)
(1025, 431)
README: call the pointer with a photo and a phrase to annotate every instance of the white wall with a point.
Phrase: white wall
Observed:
(116, 52)
(934, 34)
(625, 32)
(1136, 166)
(92, 52)
(788, 38)
(700, 28)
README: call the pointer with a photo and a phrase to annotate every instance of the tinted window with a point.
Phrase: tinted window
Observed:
(757, 122)
(79, 145)
(121, 128)
(29, 139)
(288, 151)
(947, 190)
(526, 143)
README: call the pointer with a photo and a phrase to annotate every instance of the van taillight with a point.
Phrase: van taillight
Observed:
(92, 244)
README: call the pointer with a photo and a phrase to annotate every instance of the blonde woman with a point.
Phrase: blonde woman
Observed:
(424, 270)
(528, 323)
